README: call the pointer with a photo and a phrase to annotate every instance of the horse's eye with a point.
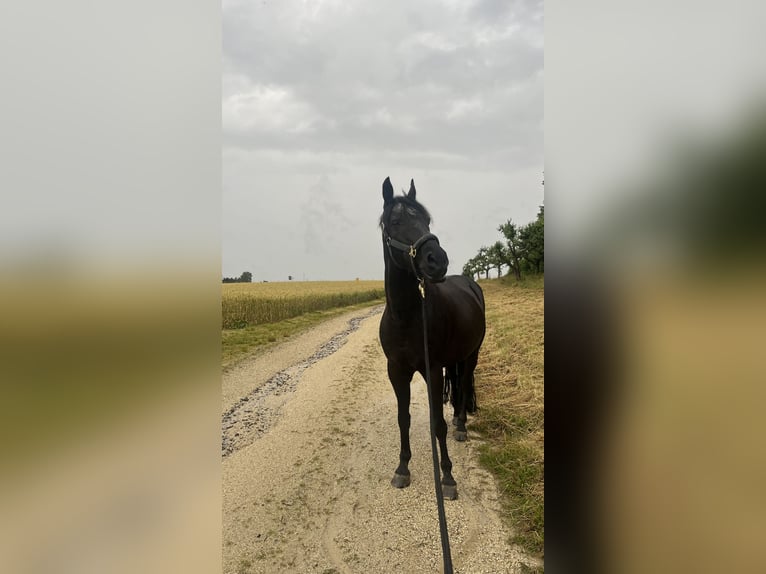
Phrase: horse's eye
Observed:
(395, 222)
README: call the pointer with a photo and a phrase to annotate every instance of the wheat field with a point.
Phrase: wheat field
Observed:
(247, 304)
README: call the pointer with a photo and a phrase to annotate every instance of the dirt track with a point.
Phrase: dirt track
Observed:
(309, 445)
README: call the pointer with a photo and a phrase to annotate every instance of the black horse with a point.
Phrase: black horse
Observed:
(455, 319)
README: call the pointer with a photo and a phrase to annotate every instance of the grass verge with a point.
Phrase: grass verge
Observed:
(509, 389)
(236, 344)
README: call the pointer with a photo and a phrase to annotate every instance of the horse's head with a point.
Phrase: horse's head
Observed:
(407, 236)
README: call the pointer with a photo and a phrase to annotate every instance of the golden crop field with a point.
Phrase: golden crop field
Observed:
(246, 304)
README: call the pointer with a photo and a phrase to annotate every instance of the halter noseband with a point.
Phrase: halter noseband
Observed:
(411, 250)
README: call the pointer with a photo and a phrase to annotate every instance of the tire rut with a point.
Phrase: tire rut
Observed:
(255, 413)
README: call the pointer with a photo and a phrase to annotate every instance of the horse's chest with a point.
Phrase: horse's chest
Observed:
(402, 344)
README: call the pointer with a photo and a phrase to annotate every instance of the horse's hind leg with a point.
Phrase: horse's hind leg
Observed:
(400, 380)
(451, 381)
(449, 486)
(465, 382)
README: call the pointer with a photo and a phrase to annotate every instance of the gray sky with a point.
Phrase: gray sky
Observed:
(323, 100)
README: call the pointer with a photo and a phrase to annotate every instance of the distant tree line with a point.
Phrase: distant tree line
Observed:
(523, 251)
(246, 277)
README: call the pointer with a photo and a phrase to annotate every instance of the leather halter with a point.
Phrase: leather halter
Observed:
(411, 250)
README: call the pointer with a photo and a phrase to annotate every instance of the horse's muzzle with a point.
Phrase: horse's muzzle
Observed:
(435, 263)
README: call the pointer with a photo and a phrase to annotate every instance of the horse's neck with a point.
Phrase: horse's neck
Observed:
(402, 295)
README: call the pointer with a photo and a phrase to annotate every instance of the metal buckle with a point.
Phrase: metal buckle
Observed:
(413, 251)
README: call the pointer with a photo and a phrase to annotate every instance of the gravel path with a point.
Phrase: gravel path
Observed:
(309, 445)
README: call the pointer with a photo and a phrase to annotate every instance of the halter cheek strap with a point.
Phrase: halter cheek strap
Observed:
(411, 250)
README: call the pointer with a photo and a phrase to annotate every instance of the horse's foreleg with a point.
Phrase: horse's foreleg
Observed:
(449, 486)
(400, 380)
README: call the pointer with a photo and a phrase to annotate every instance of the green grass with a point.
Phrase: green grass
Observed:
(509, 388)
(236, 344)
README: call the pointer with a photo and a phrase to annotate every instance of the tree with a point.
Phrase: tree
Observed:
(511, 233)
(246, 277)
(472, 268)
(532, 237)
(482, 261)
(497, 256)
(468, 269)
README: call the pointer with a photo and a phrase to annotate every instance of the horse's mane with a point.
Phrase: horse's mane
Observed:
(407, 202)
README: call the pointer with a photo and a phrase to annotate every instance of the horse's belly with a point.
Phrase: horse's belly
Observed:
(461, 352)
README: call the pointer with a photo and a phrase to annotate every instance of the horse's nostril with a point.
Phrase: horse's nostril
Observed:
(430, 258)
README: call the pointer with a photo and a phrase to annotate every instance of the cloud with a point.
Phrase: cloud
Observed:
(268, 108)
(323, 100)
(353, 78)
(322, 218)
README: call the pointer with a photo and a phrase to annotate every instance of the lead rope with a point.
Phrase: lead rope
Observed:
(437, 483)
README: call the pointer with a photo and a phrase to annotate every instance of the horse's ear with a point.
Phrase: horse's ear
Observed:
(411, 193)
(388, 191)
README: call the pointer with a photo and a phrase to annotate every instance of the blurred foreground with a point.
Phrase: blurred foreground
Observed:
(109, 288)
(658, 405)
(110, 425)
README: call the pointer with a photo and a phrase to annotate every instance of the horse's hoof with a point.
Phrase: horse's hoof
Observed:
(460, 436)
(449, 491)
(454, 421)
(400, 480)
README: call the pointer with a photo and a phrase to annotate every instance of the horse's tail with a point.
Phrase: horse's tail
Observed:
(470, 403)
(453, 392)
(450, 385)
